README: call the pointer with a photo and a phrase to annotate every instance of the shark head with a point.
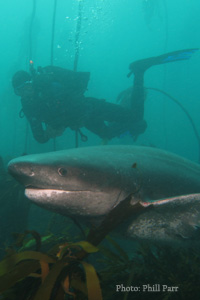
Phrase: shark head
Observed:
(72, 182)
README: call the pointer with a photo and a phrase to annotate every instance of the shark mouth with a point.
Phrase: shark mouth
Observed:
(75, 202)
(48, 193)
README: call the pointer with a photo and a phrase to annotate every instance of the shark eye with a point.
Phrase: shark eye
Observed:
(62, 171)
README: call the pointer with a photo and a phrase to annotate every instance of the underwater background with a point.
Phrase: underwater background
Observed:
(113, 34)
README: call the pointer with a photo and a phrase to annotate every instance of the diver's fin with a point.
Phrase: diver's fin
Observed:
(140, 66)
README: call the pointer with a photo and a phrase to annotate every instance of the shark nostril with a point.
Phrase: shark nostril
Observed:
(26, 171)
(32, 173)
(62, 171)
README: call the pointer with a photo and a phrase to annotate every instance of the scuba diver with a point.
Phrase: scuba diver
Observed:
(53, 99)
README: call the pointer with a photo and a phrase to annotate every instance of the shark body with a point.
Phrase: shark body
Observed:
(91, 182)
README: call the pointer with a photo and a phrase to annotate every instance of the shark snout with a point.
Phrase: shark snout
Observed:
(22, 172)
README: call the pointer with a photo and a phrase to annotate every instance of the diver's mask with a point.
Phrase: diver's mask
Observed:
(24, 89)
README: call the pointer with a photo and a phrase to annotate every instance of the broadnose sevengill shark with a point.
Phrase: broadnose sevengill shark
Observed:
(91, 181)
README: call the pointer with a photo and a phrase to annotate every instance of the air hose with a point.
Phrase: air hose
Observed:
(31, 30)
(52, 50)
(77, 35)
(30, 54)
(184, 110)
(76, 58)
(53, 31)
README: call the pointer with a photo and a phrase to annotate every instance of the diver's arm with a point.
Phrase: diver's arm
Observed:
(40, 135)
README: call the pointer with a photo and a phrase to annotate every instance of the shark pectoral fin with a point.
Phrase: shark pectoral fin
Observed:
(169, 219)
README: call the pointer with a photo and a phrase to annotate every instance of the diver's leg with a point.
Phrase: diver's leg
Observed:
(106, 119)
(139, 67)
(119, 129)
(98, 127)
(121, 119)
(109, 120)
(106, 111)
(115, 129)
(138, 97)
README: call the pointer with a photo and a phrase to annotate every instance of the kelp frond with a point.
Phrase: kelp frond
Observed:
(60, 274)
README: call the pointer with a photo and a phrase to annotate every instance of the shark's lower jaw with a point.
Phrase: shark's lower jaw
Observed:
(32, 193)
(77, 203)
(54, 196)
(40, 196)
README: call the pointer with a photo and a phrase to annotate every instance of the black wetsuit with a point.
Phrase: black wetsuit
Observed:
(59, 102)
